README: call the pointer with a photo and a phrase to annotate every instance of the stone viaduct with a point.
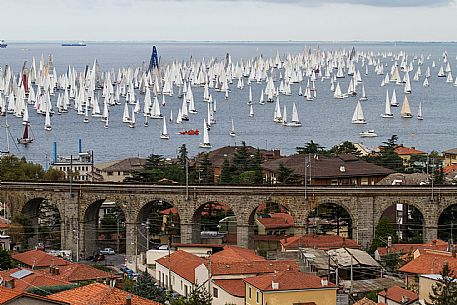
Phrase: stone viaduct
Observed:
(78, 205)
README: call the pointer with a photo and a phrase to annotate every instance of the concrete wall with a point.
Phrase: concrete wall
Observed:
(224, 297)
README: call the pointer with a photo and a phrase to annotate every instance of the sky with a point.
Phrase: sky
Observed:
(228, 20)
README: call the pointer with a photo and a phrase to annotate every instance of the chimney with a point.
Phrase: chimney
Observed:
(128, 300)
(276, 153)
(324, 282)
(10, 284)
(56, 271)
(404, 299)
(274, 285)
(434, 243)
(52, 270)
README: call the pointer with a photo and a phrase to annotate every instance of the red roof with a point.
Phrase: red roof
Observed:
(39, 259)
(232, 254)
(169, 211)
(98, 294)
(254, 267)
(435, 244)
(182, 263)
(287, 280)
(430, 263)
(277, 221)
(7, 294)
(402, 150)
(4, 224)
(450, 168)
(396, 294)
(35, 279)
(79, 272)
(235, 287)
(323, 242)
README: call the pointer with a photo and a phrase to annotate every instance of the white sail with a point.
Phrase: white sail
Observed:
(277, 117)
(251, 110)
(387, 111)
(393, 101)
(164, 134)
(364, 95)
(358, 117)
(206, 143)
(419, 112)
(232, 130)
(338, 94)
(156, 109)
(47, 120)
(126, 115)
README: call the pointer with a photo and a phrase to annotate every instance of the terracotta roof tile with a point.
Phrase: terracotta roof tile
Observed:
(277, 221)
(232, 254)
(450, 168)
(235, 287)
(79, 272)
(35, 279)
(396, 294)
(323, 242)
(7, 294)
(436, 244)
(39, 259)
(3, 224)
(182, 263)
(98, 294)
(430, 263)
(365, 301)
(402, 150)
(254, 267)
(287, 280)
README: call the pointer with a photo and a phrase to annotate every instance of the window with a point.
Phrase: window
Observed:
(364, 181)
(250, 292)
(215, 292)
(257, 296)
(334, 182)
(118, 173)
(185, 290)
(181, 284)
(110, 173)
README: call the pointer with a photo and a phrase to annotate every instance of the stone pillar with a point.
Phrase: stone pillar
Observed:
(430, 233)
(363, 221)
(186, 233)
(242, 235)
(131, 238)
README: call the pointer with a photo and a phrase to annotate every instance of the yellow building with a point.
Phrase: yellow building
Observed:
(450, 156)
(289, 288)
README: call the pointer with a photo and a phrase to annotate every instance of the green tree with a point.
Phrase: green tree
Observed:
(226, 173)
(438, 175)
(53, 174)
(206, 171)
(152, 171)
(311, 148)
(241, 159)
(21, 229)
(198, 296)
(346, 147)
(383, 230)
(13, 168)
(444, 292)
(5, 260)
(257, 167)
(285, 175)
(183, 155)
(387, 157)
(145, 287)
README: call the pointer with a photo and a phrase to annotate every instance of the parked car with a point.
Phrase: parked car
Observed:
(107, 251)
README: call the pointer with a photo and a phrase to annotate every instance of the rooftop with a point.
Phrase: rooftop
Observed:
(398, 294)
(452, 151)
(254, 267)
(323, 242)
(182, 263)
(233, 254)
(25, 278)
(277, 221)
(435, 244)
(79, 272)
(39, 259)
(235, 287)
(99, 294)
(125, 165)
(287, 280)
(430, 263)
(406, 151)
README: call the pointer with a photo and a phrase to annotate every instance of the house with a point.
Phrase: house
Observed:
(402, 249)
(366, 301)
(76, 273)
(405, 153)
(450, 156)
(427, 262)
(451, 172)
(218, 156)
(117, 171)
(228, 291)
(101, 295)
(270, 229)
(426, 282)
(323, 170)
(5, 239)
(396, 295)
(37, 259)
(12, 297)
(355, 261)
(21, 279)
(323, 242)
(288, 288)
(82, 164)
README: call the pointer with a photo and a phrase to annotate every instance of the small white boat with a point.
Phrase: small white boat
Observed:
(164, 134)
(387, 112)
(132, 120)
(206, 143)
(368, 134)
(364, 95)
(232, 130)
(419, 113)
(358, 117)
(406, 109)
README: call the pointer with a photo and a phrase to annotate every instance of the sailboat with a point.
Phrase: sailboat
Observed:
(295, 122)
(364, 95)
(164, 134)
(251, 111)
(338, 94)
(393, 101)
(106, 122)
(25, 137)
(419, 112)
(405, 109)
(387, 111)
(47, 120)
(132, 120)
(232, 130)
(358, 117)
(206, 143)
